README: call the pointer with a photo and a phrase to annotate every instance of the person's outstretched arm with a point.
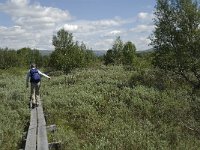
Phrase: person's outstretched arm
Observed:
(44, 74)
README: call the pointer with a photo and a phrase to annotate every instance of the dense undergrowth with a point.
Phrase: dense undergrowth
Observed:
(105, 108)
(14, 112)
(110, 108)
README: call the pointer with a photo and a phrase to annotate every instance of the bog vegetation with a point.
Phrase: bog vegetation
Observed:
(122, 100)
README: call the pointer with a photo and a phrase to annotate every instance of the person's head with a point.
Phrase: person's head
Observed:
(33, 65)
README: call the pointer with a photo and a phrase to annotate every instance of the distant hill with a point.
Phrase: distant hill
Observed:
(145, 51)
(96, 52)
(99, 52)
(46, 52)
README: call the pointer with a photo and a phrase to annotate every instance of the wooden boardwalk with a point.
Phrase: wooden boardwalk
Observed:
(37, 134)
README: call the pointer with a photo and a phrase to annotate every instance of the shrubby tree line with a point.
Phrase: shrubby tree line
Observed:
(124, 53)
(20, 58)
(68, 55)
(120, 53)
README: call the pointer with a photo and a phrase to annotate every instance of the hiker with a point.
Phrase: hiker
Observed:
(34, 76)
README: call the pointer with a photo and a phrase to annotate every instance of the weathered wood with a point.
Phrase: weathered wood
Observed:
(42, 142)
(37, 133)
(32, 131)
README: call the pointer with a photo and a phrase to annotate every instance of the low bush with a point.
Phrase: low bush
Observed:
(101, 111)
(13, 109)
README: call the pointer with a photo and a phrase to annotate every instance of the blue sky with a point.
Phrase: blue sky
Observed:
(97, 23)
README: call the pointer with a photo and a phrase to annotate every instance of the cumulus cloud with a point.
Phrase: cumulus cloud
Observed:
(104, 44)
(24, 13)
(115, 32)
(34, 26)
(145, 17)
(70, 27)
(100, 34)
(142, 43)
(17, 37)
(19, 3)
(106, 23)
(112, 33)
(98, 25)
(143, 28)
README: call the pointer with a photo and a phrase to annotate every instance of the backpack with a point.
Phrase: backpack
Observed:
(35, 76)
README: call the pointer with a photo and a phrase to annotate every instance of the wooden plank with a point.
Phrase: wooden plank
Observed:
(42, 142)
(32, 131)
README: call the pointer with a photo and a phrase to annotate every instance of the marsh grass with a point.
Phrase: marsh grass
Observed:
(102, 108)
(13, 109)
(105, 108)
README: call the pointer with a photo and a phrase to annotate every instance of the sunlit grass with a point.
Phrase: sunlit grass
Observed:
(99, 109)
(103, 108)
(13, 109)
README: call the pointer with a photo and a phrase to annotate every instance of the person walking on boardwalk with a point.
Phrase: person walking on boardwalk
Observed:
(34, 77)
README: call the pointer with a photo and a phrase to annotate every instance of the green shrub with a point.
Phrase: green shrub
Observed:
(158, 79)
(13, 109)
(99, 110)
(55, 73)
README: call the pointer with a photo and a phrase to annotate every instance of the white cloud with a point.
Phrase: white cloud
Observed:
(22, 8)
(103, 44)
(145, 17)
(115, 32)
(98, 25)
(106, 23)
(19, 3)
(112, 33)
(16, 37)
(10, 34)
(23, 13)
(100, 34)
(34, 26)
(143, 28)
(70, 27)
(143, 43)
